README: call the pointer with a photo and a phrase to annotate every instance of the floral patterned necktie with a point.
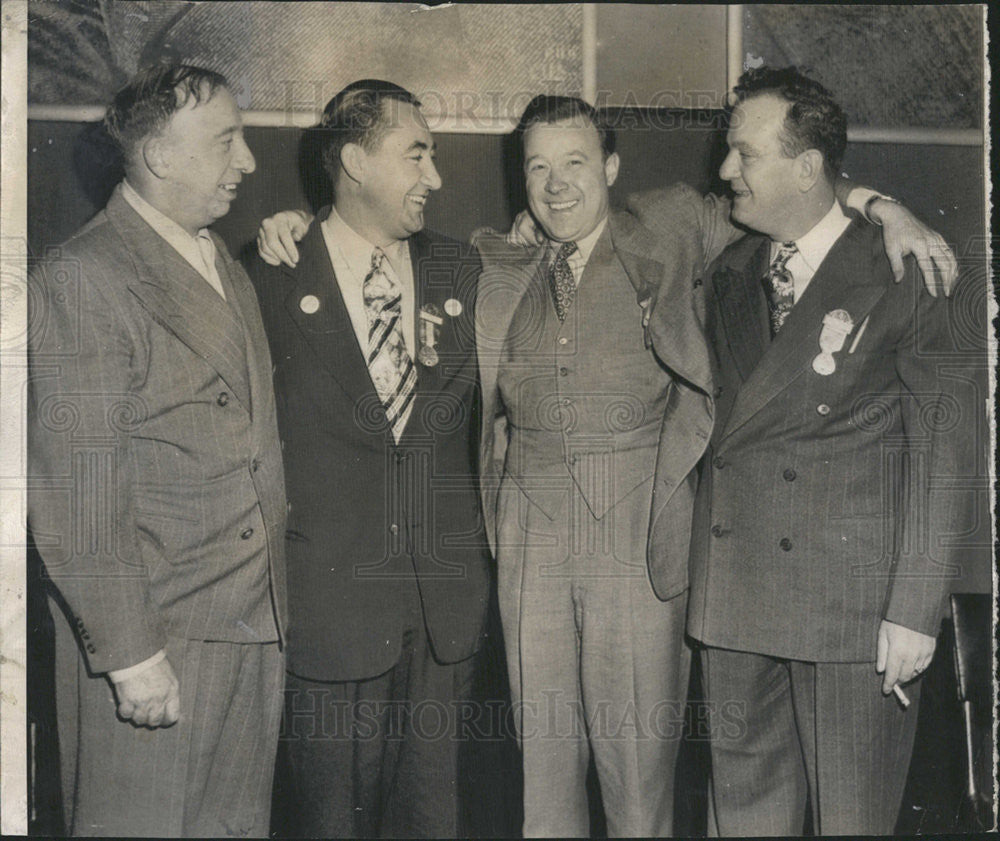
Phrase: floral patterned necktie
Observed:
(561, 280)
(780, 287)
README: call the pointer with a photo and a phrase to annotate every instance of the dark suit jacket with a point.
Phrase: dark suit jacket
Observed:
(367, 516)
(815, 516)
(157, 494)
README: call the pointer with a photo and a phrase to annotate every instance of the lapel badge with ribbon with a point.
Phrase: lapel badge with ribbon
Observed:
(430, 323)
(837, 325)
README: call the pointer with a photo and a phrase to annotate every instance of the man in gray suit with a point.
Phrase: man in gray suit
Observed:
(157, 493)
(820, 553)
(595, 369)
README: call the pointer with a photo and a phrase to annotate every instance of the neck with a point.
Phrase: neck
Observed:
(356, 214)
(804, 215)
(152, 193)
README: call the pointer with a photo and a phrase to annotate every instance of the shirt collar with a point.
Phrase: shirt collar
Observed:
(817, 242)
(356, 250)
(159, 221)
(585, 246)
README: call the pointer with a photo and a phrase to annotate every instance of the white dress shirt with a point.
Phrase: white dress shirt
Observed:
(578, 259)
(351, 255)
(813, 248)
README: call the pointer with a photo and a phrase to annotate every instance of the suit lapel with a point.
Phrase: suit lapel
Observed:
(507, 275)
(181, 301)
(841, 282)
(742, 307)
(665, 293)
(328, 330)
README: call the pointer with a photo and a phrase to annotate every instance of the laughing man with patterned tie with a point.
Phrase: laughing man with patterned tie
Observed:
(375, 379)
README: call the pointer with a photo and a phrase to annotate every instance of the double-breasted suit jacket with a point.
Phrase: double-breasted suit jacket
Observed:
(157, 496)
(367, 515)
(815, 517)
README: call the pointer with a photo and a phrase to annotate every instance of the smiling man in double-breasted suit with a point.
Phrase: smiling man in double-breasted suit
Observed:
(819, 554)
(375, 377)
(156, 496)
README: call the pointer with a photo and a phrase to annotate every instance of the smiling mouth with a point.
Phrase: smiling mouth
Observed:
(563, 205)
(741, 194)
(230, 188)
(421, 200)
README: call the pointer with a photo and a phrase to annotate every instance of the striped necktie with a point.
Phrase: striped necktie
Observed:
(389, 364)
(780, 286)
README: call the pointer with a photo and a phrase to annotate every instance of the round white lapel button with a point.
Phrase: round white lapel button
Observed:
(309, 304)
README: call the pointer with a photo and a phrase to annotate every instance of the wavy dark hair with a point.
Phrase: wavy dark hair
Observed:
(550, 108)
(361, 113)
(814, 120)
(145, 105)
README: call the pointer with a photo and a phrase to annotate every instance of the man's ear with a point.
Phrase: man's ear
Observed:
(611, 168)
(809, 167)
(354, 160)
(156, 156)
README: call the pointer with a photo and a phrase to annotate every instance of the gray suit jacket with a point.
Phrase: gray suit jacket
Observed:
(824, 505)
(156, 494)
(664, 239)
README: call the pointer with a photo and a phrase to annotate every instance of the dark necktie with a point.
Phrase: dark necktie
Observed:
(561, 280)
(780, 287)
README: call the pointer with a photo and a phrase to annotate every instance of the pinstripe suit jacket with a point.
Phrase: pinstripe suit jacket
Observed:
(815, 517)
(156, 487)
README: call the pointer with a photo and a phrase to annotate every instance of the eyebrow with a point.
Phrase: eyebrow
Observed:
(742, 146)
(420, 144)
(228, 130)
(568, 154)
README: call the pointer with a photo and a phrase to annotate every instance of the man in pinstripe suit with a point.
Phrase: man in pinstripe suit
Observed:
(157, 490)
(815, 557)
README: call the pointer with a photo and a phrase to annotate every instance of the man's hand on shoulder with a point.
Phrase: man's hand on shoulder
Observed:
(278, 234)
(903, 234)
(902, 654)
(150, 698)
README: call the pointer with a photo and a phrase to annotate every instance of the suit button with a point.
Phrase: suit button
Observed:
(719, 462)
(563, 340)
(393, 529)
(718, 391)
(223, 398)
(785, 544)
(563, 372)
(697, 283)
(246, 534)
(91, 648)
(823, 409)
(571, 459)
(401, 457)
(789, 475)
(718, 531)
(255, 465)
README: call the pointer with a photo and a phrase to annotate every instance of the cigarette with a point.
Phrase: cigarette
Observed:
(901, 695)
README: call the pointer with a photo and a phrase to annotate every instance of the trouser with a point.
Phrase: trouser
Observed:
(597, 664)
(210, 774)
(378, 757)
(786, 732)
